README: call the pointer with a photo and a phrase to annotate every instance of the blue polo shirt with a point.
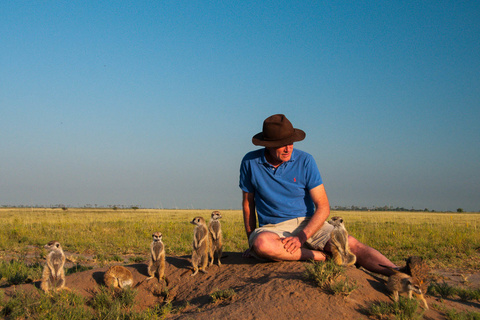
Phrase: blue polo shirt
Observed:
(283, 193)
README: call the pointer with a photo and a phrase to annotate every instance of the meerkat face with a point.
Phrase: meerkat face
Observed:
(409, 285)
(336, 221)
(197, 221)
(216, 215)
(157, 236)
(53, 245)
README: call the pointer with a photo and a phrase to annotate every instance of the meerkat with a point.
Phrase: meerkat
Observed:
(156, 264)
(216, 239)
(339, 243)
(200, 245)
(118, 277)
(400, 282)
(53, 276)
(417, 269)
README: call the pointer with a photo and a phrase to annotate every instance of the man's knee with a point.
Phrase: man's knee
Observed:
(265, 244)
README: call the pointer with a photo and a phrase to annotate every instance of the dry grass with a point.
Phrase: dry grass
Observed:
(444, 239)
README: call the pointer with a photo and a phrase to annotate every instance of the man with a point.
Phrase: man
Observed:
(284, 187)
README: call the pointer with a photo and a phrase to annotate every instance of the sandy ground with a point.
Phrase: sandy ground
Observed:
(271, 290)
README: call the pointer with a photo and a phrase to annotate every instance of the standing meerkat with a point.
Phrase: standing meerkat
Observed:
(400, 282)
(53, 276)
(156, 264)
(339, 243)
(200, 245)
(118, 277)
(216, 239)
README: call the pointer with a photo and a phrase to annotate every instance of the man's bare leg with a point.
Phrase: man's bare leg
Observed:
(269, 245)
(368, 257)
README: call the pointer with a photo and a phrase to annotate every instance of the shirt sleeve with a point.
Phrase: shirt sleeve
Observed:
(313, 178)
(246, 177)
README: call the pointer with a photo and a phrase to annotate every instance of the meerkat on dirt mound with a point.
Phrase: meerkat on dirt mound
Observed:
(118, 277)
(400, 282)
(200, 245)
(216, 238)
(417, 269)
(53, 276)
(339, 243)
(156, 263)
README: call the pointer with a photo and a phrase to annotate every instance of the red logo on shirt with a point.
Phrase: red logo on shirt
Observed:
(294, 179)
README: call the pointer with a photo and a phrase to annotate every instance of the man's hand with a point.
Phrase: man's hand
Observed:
(292, 244)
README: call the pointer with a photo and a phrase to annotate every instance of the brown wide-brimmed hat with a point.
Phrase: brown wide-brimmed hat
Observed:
(277, 132)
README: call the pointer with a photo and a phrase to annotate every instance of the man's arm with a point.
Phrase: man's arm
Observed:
(248, 207)
(322, 211)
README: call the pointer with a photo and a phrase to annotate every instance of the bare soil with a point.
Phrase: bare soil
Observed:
(263, 290)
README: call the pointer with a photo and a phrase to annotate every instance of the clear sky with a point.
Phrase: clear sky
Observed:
(154, 103)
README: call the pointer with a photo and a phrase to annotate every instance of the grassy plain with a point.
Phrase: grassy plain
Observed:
(446, 240)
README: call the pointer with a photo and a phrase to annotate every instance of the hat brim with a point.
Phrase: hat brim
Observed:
(298, 135)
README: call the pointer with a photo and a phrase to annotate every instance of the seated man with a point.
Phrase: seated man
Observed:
(285, 188)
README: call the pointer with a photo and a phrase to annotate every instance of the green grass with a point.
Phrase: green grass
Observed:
(323, 273)
(105, 304)
(16, 272)
(222, 295)
(329, 277)
(403, 309)
(443, 239)
(445, 291)
(452, 314)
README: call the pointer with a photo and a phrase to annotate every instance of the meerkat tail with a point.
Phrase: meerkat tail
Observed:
(422, 298)
(389, 267)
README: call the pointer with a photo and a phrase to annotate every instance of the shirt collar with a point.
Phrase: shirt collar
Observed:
(264, 161)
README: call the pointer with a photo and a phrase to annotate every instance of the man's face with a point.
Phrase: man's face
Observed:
(282, 154)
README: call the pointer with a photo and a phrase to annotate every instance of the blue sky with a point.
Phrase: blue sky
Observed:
(154, 103)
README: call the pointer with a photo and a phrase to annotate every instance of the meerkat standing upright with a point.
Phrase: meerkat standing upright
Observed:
(401, 282)
(53, 276)
(216, 239)
(339, 243)
(156, 264)
(200, 245)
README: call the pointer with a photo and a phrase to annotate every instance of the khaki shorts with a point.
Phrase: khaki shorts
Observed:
(291, 228)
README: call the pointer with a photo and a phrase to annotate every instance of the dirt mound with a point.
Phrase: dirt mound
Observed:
(273, 290)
